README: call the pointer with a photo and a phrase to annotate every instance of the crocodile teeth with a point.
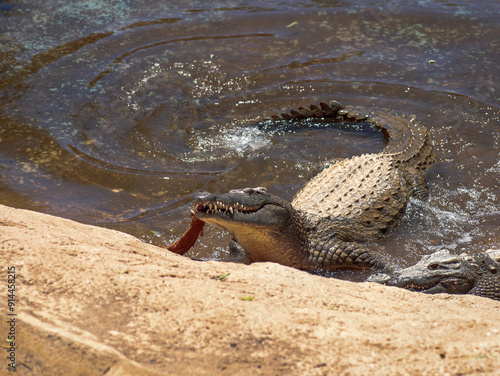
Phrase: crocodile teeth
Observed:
(220, 207)
(417, 287)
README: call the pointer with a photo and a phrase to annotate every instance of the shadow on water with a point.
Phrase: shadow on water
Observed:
(118, 121)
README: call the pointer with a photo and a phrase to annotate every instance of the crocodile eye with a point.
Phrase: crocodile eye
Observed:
(251, 191)
(433, 266)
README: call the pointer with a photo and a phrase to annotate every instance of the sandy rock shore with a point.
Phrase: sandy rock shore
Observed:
(91, 301)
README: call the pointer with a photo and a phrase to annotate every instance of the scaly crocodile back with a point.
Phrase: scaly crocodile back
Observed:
(362, 197)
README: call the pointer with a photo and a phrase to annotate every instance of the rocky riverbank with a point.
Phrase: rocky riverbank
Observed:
(92, 301)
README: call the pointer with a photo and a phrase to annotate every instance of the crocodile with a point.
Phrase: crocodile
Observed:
(346, 205)
(443, 272)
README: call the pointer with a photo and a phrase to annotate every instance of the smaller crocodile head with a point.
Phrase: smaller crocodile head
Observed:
(440, 272)
(266, 226)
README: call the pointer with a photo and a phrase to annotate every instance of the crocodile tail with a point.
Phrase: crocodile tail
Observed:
(409, 141)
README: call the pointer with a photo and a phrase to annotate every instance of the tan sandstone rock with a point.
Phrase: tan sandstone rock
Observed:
(91, 301)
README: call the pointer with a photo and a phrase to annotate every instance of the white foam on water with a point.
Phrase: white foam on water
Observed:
(230, 142)
(453, 219)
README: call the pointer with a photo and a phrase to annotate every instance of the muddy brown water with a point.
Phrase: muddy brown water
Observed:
(115, 114)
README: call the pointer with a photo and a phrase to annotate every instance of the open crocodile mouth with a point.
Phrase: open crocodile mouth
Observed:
(419, 288)
(250, 206)
(456, 285)
(223, 208)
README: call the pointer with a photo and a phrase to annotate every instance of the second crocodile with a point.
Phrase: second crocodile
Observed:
(350, 202)
(443, 272)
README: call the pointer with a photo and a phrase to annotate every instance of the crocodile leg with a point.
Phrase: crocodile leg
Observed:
(417, 186)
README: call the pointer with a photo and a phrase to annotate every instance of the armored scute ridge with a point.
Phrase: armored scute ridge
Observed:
(350, 202)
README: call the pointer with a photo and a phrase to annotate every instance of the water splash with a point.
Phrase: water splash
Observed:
(236, 142)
